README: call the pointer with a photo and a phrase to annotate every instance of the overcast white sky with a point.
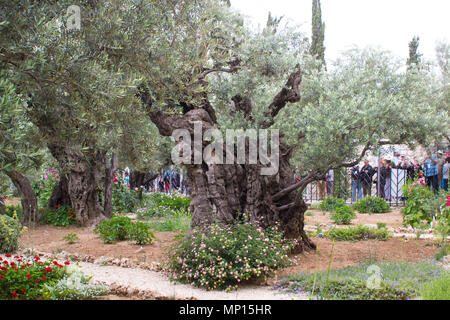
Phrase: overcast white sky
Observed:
(389, 24)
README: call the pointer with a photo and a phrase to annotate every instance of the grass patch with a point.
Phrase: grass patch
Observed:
(436, 289)
(357, 233)
(398, 281)
(178, 221)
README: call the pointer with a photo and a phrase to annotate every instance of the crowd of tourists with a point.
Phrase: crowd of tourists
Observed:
(169, 180)
(386, 179)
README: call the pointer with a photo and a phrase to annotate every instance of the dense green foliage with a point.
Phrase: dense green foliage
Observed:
(10, 232)
(343, 215)
(124, 200)
(12, 210)
(330, 204)
(220, 257)
(357, 233)
(423, 204)
(372, 205)
(61, 216)
(123, 228)
(398, 281)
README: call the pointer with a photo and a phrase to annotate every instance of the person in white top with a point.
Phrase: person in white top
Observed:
(445, 169)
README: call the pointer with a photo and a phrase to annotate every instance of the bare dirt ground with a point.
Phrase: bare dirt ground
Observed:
(392, 219)
(50, 239)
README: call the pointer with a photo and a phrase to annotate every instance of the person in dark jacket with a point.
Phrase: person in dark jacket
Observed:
(356, 184)
(366, 174)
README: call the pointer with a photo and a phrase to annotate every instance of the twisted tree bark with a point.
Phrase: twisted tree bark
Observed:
(82, 184)
(222, 192)
(28, 199)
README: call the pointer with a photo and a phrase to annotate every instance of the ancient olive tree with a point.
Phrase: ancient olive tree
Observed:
(213, 73)
(20, 149)
(75, 93)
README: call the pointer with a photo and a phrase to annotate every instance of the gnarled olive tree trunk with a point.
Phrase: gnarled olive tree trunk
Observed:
(221, 192)
(60, 194)
(140, 178)
(108, 184)
(82, 184)
(28, 199)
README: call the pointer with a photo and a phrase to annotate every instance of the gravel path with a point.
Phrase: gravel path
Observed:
(160, 286)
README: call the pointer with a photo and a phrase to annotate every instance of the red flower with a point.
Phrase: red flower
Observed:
(66, 262)
(28, 276)
(23, 291)
(1, 258)
(43, 278)
(37, 258)
(8, 255)
(2, 276)
(37, 280)
(48, 269)
(14, 294)
(55, 262)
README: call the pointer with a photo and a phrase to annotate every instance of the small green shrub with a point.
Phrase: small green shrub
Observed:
(123, 228)
(124, 200)
(219, 257)
(12, 210)
(309, 214)
(418, 211)
(330, 204)
(140, 233)
(343, 215)
(10, 232)
(372, 205)
(436, 289)
(357, 233)
(381, 225)
(71, 238)
(114, 229)
(61, 216)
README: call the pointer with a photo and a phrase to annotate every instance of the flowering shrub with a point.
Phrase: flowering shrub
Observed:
(10, 232)
(61, 216)
(343, 215)
(22, 278)
(219, 257)
(418, 211)
(372, 205)
(44, 187)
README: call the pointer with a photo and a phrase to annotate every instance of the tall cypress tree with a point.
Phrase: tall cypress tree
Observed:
(318, 32)
(414, 55)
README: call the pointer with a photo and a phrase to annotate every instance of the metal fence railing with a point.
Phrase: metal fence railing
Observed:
(351, 191)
